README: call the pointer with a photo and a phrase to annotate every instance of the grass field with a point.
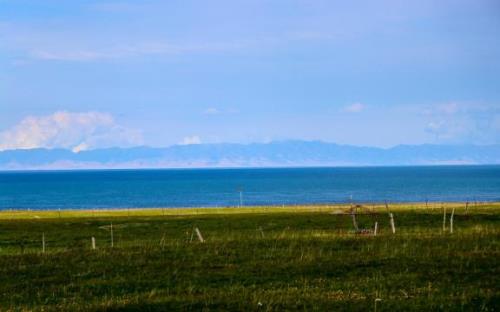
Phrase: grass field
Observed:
(262, 259)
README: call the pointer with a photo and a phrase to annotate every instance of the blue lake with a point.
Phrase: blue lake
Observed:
(222, 187)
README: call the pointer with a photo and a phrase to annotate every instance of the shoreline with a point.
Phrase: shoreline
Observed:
(11, 214)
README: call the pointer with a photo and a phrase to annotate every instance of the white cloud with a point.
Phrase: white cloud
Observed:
(190, 140)
(76, 53)
(211, 111)
(354, 108)
(75, 131)
(219, 111)
(448, 108)
(463, 123)
(85, 45)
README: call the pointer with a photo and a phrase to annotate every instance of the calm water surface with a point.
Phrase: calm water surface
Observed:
(221, 187)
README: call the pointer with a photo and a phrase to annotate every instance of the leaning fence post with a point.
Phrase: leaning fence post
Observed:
(93, 243)
(375, 229)
(393, 226)
(451, 220)
(198, 233)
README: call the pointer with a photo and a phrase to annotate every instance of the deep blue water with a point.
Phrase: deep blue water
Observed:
(220, 187)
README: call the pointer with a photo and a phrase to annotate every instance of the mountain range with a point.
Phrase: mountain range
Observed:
(274, 154)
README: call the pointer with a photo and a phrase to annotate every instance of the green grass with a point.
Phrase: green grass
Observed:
(291, 258)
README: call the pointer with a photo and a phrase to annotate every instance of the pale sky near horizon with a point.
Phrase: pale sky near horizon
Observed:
(86, 74)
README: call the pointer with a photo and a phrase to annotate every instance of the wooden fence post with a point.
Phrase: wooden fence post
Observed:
(444, 218)
(112, 238)
(451, 220)
(354, 222)
(353, 216)
(93, 243)
(393, 226)
(375, 229)
(198, 233)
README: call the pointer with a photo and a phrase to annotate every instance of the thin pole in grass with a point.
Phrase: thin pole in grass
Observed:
(162, 241)
(377, 300)
(111, 232)
(261, 232)
(375, 229)
(353, 216)
(393, 226)
(391, 218)
(444, 217)
(93, 242)
(451, 220)
(354, 222)
(198, 233)
(192, 235)
(43, 242)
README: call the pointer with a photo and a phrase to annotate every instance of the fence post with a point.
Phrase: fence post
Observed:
(354, 222)
(451, 220)
(198, 233)
(375, 229)
(93, 243)
(444, 218)
(111, 232)
(353, 216)
(393, 226)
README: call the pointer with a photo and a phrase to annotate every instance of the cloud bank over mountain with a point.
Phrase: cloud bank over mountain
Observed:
(74, 131)
(274, 154)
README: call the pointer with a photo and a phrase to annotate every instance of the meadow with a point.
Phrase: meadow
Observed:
(308, 258)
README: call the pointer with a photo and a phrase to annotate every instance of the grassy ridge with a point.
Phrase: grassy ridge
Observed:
(259, 258)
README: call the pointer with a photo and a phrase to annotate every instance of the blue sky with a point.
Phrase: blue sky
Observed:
(89, 74)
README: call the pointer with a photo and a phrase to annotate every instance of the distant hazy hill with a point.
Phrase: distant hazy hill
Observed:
(286, 153)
